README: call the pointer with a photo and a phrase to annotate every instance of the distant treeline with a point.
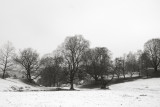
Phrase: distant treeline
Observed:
(74, 61)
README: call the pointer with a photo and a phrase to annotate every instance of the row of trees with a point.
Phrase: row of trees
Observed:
(75, 60)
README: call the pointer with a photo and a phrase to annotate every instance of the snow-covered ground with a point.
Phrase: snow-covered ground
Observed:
(139, 93)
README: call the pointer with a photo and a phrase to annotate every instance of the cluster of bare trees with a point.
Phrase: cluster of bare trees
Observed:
(141, 61)
(127, 65)
(27, 59)
(75, 60)
(52, 72)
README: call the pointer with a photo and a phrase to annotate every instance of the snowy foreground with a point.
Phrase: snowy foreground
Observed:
(139, 93)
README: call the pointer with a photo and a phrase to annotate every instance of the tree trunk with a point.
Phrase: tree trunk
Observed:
(147, 74)
(124, 76)
(131, 74)
(71, 81)
(103, 86)
(118, 76)
(4, 70)
(155, 69)
(139, 73)
(103, 83)
(72, 87)
(29, 77)
(95, 78)
(3, 76)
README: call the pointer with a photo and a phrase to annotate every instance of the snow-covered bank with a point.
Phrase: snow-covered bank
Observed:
(9, 84)
(141, 85)
(139, 93)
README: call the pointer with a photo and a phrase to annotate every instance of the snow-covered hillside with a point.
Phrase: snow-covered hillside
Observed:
(139, 93)
(10, 84)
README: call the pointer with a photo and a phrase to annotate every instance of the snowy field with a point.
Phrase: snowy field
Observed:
(139, 93)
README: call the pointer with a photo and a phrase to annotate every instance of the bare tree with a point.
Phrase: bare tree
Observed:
(118, 66)
(29, 60)
(52, 71)
(104, 64)
(98, 64)
(152, 47)
(72, 50)
(124, 66)
(131, 63)
(6, 53)
(139, 61)
(90, 64)
(145, 63)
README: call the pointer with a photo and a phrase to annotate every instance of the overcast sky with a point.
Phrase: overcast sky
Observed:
(119, 25)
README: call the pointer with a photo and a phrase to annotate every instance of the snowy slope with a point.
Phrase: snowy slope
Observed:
(141, 85)
(9, 84)
(139, 93)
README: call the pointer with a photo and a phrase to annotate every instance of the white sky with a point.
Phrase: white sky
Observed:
(119, 25)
